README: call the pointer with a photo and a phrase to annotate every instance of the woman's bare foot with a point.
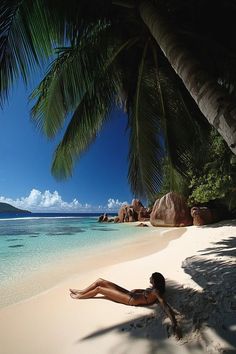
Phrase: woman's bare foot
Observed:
(74, 296)
(74, 291)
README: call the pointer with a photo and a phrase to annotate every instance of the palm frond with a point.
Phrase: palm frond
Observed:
(72, 75)
(184, 128)
(87, 121)
(28, 34)
(85, 84)
(145, 148)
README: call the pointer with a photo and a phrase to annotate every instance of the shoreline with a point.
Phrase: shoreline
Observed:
(200, 279)
(77, 263)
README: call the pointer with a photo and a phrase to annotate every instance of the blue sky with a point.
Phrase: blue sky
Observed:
(99, 180)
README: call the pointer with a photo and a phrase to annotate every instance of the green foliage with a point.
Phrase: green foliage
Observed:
(28, 34)
(210, 176)
(110, 56)
(173, 181)
(215, 179)
(212, 185)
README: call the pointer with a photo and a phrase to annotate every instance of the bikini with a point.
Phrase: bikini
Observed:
(144, 293)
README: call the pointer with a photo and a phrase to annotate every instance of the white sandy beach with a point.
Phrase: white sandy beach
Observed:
(200, 269)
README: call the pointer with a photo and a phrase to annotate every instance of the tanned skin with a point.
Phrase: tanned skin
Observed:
(135, 297)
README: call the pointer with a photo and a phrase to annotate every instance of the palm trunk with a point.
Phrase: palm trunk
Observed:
(215, 103)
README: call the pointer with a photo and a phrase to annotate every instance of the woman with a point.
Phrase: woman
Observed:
(135, 297)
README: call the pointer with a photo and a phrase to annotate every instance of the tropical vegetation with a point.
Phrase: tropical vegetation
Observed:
(209, 182)
(168, 64)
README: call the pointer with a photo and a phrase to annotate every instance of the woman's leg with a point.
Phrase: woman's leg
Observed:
(100, 282)
(108, 293)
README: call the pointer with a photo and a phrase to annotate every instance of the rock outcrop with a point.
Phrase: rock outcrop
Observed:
(116, 219)
(133, 212)
(144, 214)
(203, 216)
(127, 214)
(142, 225)
(122, 214)
(171, 210)
(136, 205)
(103, 218)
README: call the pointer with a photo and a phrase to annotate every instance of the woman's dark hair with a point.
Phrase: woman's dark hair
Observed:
(159, 282)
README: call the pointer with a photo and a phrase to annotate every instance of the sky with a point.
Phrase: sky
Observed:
(99, 182)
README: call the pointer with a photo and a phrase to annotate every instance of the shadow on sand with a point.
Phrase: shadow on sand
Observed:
(199, 312)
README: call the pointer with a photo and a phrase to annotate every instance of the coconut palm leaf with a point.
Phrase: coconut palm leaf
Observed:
(72, 75)
(104, 52)
(145, 148)
(81, 83)
(69, 77)
(87, 121)
(85, 124)
(184, 127)
(28, 34)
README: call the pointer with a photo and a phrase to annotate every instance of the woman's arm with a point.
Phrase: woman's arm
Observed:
(170, 313)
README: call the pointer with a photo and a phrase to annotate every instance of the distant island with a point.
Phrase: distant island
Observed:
(7, 208)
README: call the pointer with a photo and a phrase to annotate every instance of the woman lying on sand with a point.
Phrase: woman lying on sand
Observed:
(135, 297)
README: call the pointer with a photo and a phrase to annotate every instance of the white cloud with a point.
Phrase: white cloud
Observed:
(47, 201)
(114, 204)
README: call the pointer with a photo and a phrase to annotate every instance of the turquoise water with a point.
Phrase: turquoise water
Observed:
(28, 245)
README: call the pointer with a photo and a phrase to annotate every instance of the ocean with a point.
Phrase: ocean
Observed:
(32, 245)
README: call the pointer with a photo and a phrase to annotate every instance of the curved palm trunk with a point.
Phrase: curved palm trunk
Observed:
(213, 101)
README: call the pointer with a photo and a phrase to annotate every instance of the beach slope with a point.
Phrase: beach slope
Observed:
(200, 269)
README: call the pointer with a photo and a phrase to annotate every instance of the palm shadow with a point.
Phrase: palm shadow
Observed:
(212, 308)
(215, 306)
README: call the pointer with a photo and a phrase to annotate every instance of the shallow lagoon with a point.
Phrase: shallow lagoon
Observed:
(30, 246)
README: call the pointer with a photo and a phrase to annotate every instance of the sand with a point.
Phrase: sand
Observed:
(199, 264)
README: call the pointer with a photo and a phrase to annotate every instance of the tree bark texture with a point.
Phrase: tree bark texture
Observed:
(213, 100)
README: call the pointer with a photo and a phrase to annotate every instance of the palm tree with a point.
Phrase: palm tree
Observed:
(128, 64)
(124, 70)
(213, 97)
